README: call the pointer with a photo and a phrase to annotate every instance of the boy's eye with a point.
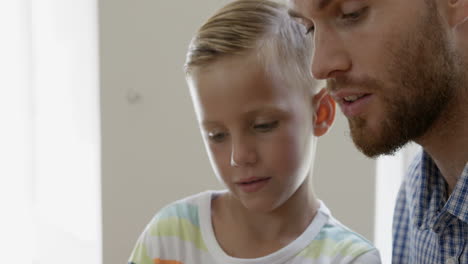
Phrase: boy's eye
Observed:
(266, 127)
(217, 137)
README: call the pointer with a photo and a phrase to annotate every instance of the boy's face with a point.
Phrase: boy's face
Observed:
(257, 131)
(389, 64)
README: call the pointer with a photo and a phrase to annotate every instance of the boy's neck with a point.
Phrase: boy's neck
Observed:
(240, 231)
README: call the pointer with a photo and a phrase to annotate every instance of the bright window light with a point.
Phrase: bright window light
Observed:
(390, 173)
(15, 135)
(49, 108)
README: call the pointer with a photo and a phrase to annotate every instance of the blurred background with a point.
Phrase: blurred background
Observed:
(98, 132)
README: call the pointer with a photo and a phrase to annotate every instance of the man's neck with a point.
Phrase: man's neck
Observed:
(447, 141)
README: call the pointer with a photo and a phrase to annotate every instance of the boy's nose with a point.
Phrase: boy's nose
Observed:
(243, 154)
(330, 57)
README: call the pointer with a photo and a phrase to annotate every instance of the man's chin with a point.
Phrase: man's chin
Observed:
(374, 147)
(374, 152)
(374, 142)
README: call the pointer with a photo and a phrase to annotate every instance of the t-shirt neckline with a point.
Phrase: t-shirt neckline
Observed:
(280, 256)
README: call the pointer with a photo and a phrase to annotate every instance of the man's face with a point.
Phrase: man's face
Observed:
(388, 65)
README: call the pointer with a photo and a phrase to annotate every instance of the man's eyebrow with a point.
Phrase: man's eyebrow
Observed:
(322, 4)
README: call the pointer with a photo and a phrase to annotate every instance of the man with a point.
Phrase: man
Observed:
(399, 71)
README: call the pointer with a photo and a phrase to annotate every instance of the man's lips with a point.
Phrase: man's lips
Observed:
(352, 103)
(345, 96)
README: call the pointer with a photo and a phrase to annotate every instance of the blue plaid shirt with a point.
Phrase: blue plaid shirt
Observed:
(428, 227)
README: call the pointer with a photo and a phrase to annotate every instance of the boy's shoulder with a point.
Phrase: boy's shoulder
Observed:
(178, 220)
(180, 211)
(336, 240)
(174, 227)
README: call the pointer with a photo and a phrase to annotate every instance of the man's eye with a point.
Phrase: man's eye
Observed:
(217, 137)
(266, 127)
(353, 16)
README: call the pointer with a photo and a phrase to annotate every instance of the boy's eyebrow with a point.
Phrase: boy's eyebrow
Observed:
(209, 123)
(253, 112)
(265, 110)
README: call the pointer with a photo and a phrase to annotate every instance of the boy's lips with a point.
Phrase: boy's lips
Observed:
(252, 184)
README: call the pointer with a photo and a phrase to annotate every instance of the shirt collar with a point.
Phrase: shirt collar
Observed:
(428, 192)
(457, 203)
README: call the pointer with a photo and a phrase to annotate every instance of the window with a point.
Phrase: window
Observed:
(50, 174)
(390, 173)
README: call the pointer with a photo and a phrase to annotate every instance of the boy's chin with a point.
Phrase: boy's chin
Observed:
(259, 204)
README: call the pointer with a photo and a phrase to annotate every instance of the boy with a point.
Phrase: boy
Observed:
(259, 115)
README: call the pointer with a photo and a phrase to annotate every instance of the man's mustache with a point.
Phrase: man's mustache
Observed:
(342, 82)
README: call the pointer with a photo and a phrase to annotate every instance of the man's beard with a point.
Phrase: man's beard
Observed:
(425, 78)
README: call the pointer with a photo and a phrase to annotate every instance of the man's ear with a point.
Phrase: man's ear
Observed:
(458, 12)
(324, 112)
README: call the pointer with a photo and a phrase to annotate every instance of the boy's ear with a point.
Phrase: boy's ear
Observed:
(324, 112)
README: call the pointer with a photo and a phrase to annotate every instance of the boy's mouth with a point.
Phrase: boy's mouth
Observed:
(253, 180)
(253, 184)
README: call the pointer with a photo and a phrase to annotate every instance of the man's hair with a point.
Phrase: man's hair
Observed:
(261, 28)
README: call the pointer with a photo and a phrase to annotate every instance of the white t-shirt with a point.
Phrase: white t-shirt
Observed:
(182, 233)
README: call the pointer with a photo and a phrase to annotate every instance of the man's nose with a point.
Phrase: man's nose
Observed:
(330, 56)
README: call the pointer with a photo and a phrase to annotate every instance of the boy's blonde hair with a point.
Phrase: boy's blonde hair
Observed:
(261, 28)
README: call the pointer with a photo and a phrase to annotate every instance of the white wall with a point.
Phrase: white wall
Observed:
(152, 151)
(345, 179)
